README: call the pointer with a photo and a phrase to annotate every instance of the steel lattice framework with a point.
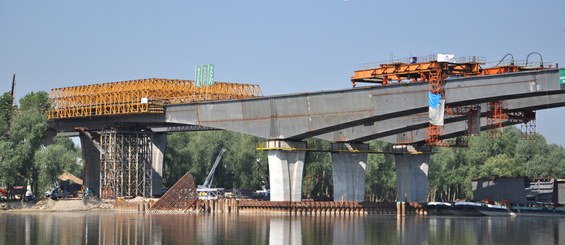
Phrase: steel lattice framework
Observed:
(125, 164)
(139, 96)
(179, 197)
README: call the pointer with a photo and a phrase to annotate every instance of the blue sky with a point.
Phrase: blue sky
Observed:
(285, 46)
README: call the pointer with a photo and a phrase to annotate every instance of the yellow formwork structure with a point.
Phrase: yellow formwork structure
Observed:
(139, 96)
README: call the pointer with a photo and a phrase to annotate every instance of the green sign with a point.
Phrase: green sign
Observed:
(210, 75)
(561, 76)
(198, 76)
(204, 75)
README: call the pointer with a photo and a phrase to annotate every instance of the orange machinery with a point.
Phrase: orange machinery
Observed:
(435, 71)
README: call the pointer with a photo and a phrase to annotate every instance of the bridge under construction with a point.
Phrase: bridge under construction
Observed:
(122, 125)
(127, 151)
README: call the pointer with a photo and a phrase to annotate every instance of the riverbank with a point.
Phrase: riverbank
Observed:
(61, 205)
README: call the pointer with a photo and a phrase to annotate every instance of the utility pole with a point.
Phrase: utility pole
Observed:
(13, 85)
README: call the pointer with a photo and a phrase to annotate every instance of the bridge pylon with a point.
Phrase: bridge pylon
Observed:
(286, 165)
(412, 166)
(349, 170)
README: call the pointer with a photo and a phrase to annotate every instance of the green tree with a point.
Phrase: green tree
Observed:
(35, 100)
(177, 157)
(318, 177)
(6, 110)
(500, 166)
(27, 128)
(380, 180)
(242, 166)
(53, 160)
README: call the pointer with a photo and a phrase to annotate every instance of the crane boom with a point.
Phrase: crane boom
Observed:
(13, 85)
(208, 181)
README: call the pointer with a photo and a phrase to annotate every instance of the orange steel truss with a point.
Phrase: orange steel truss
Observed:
(139, 96)
(506, 69)
(495, 118)
(415, 72)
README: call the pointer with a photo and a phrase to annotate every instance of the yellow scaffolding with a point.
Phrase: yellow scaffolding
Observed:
(139, 96)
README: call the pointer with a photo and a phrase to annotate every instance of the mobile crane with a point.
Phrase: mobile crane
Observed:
(205, 191)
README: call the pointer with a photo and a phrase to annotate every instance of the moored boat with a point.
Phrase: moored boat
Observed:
(494, 210)
(538, 211)
(480, 209)
(440, 208)
(467, 208)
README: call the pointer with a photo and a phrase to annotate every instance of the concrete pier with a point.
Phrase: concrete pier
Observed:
(349, 171)
(91, 157)
(412, 177)
(158, 148)
(286, 164)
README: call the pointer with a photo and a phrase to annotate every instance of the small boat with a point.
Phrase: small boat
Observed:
(440, 208)
(480, 209)
(467, 208)
(538, 211)
(494, 210)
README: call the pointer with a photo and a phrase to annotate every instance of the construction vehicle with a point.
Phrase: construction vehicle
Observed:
(67, 185)
(205, 191)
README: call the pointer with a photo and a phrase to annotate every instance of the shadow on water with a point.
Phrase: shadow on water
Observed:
(133, 228)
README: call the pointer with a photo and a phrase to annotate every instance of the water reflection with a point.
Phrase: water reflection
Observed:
(133, 228)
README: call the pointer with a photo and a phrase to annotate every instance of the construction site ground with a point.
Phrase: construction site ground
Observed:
(60, 205)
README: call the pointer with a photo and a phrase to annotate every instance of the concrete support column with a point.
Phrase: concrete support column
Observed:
(412, 177)
(349, 171)
(286, 164)
(91, 157)
(158, 149)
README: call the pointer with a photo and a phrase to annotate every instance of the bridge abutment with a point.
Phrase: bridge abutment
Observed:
(158, 149)
(412, 177)
(349, 171)
(286, 164)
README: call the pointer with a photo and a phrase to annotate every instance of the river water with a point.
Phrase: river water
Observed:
(133, 228)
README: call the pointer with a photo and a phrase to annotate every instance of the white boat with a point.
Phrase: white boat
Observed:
(494, 210)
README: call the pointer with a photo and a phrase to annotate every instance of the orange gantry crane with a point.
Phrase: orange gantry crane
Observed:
(434, 70)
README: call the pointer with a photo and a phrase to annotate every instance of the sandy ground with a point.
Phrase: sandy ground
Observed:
(62, 205)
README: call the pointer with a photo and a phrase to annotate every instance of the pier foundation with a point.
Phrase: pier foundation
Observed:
(286, 164)
(158, 148)
(91, 157)
(349, 171)
(412, 177)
